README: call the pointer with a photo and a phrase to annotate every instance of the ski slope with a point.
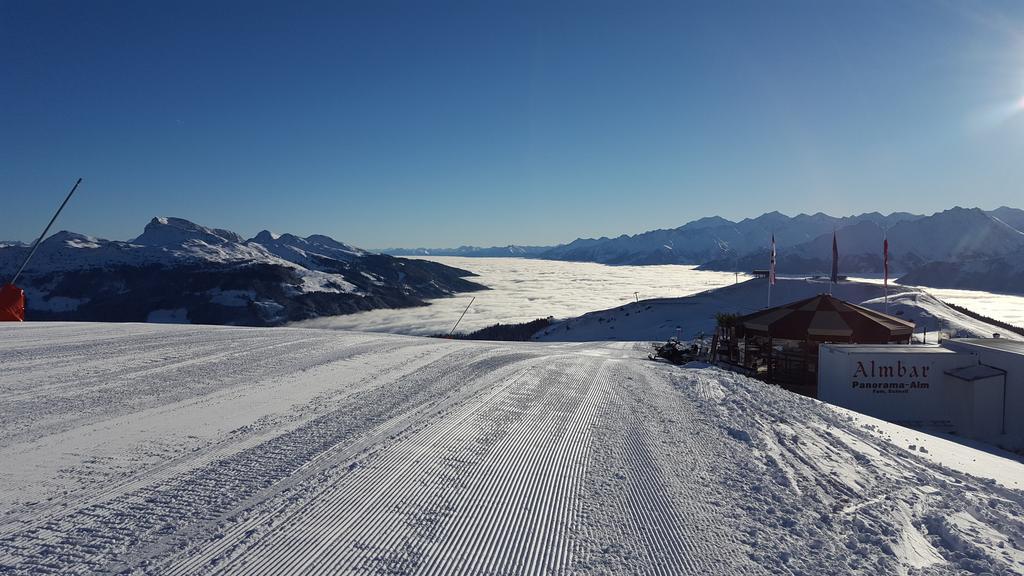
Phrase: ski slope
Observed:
(662, 318)
(131, 448)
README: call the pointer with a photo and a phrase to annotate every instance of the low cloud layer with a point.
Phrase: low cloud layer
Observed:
(524, 290)
(1003, 307)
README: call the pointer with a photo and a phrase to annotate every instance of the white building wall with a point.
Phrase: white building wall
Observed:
(987, 409)
(902, 384)
(1013, 364)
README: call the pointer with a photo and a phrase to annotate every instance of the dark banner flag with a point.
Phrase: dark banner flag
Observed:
(835, 258)
(771, 269)
(885, 269)
(885, 260)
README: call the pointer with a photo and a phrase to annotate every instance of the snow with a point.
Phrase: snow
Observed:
(970, 456)
(170, 241)
(660, 318)
(1005, 307)
(38, 300)
(316, 281)
(931, 314)
(164, 231)
(144, 448)
(305, 251)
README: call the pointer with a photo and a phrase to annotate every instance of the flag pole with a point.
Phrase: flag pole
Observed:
(885, 265)
(834, 275)
(771, 271)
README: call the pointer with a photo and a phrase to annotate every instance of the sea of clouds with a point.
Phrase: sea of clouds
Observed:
(1003, 307)
(522, 290)
(999, 306)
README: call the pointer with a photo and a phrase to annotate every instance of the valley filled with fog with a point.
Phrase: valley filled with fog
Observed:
(1004, 307)
(522, 290)
(525, 289)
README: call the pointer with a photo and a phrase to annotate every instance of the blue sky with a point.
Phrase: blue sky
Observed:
(437, 124)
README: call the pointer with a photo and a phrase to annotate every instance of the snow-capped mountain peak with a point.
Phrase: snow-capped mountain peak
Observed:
(72, 240)
(266, 236)
(167, 231)
(308, 251)
(188, 272)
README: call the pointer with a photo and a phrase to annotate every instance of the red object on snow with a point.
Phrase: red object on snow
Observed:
(12, 303)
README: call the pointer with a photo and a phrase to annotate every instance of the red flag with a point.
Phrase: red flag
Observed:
(771, 270)
(885, 260)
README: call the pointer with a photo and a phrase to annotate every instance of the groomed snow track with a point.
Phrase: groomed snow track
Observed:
(212, 450)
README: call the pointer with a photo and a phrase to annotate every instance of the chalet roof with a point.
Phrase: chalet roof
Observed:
(827, 319)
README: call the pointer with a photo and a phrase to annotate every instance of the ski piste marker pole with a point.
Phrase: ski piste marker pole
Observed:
(35, 246)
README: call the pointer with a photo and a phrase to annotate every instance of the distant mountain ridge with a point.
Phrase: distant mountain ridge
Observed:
(695, 242)
(957, 236)
(710, 239)
(510, 251)
(804, 244)
(182, 271)
(999, 274)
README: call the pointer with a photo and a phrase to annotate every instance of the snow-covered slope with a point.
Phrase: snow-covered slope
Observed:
(180, 271)
(1011, 216)
(659, 319)
(171, 232)
(148, 449)
(310, 251)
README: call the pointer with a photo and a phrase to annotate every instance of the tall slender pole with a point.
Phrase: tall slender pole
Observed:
(830, 275)
(35, 246)
(885, 266)
(771, 270)
(460, 317)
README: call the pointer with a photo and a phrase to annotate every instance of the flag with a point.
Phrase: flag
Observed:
(885, 260)
(771, 270)
(835, 258)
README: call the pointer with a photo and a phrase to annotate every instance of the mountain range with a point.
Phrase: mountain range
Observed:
(923, 248)
(510, 251)
(177, 270)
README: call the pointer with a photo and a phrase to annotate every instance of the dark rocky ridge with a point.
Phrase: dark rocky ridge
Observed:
(218, 278)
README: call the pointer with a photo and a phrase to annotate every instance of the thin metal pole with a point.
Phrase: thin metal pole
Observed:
(885, 267)
(35, 246)
(771, 270)
(460, 317)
